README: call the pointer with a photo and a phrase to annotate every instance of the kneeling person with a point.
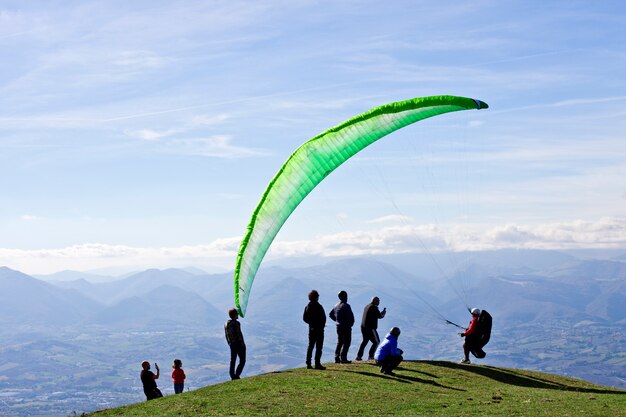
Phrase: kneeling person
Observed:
(387, 355)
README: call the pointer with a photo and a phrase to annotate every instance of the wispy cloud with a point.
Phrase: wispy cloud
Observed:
(606, 233)
(218, 146)
(393, 218)
(209, 119)
(149, 134)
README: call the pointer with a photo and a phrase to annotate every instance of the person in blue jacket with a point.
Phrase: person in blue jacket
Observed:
(387, 355)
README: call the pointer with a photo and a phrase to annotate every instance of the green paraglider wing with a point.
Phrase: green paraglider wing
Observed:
(313, 161)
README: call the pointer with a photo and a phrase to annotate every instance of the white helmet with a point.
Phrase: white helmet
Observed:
(476, 311)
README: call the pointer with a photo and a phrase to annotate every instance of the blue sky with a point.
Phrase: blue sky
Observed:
(142, 134)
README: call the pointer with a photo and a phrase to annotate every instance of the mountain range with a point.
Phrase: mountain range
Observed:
(552, 311)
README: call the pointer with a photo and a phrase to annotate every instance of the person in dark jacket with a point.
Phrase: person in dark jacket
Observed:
(315, 317)
(148, 380)
(387, 355)
(234, 337)
(343, 316)
(369, 326)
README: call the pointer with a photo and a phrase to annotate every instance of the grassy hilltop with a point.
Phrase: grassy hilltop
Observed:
(428, 388)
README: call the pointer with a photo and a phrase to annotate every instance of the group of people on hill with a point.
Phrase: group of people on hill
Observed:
(386, 354)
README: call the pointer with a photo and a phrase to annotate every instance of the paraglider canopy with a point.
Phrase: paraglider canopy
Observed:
(315, 160)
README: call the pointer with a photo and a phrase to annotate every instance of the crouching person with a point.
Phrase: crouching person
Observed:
(387, 355)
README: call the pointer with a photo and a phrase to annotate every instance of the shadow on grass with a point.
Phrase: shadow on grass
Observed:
(417, 372)
(512, 377)
(405, 379)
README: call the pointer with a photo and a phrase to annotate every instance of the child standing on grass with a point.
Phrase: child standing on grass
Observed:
(178, 376)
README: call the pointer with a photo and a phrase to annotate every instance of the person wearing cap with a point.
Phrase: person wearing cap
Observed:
(387, 355)
(315, 317)
(467, 334)
(343, 316)
(369, 326)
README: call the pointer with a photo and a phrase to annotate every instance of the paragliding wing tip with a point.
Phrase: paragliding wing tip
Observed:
(240, 311)
(480, 104)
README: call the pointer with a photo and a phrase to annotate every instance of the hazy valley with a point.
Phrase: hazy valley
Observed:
(74, 342)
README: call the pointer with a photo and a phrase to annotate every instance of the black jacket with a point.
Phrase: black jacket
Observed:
(371, 314)
(314, 315)
(342, 314)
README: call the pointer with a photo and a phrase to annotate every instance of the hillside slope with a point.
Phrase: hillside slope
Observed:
(426, 388)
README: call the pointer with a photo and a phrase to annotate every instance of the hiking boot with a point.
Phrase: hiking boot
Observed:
(359, 359)
(308, 366)
(345, 361)
(319, 366)
(391, 373)
(337, 360)
(466, 361)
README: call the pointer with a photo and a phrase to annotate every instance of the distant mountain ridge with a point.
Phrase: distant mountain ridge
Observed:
(573, 287)
(25, 299)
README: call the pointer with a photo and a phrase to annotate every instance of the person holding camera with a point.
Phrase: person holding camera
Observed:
(148, 379)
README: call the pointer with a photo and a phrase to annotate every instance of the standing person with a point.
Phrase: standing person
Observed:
(369, 326)
(387, 355)
(468, 334)
(234, 337)
(342, 314)
(178, 376)
(315, 317)
(148, 379)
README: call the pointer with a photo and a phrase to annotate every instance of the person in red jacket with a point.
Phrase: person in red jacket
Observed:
(178, 376)
(467, 345)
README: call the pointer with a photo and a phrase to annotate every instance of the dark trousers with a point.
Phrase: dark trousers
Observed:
(316, 339)
(389, 363)
(344, 338)
(473, 345)
(369, 335)
(237, 350)
(151, 394)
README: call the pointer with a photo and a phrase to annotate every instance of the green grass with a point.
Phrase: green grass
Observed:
(420, 388)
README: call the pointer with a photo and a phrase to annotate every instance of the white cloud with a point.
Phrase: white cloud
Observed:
(393, 218)
(210, 120)
(137, 60)
(605, 233)
(218, 146)
(149, 134)
(84, 257)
